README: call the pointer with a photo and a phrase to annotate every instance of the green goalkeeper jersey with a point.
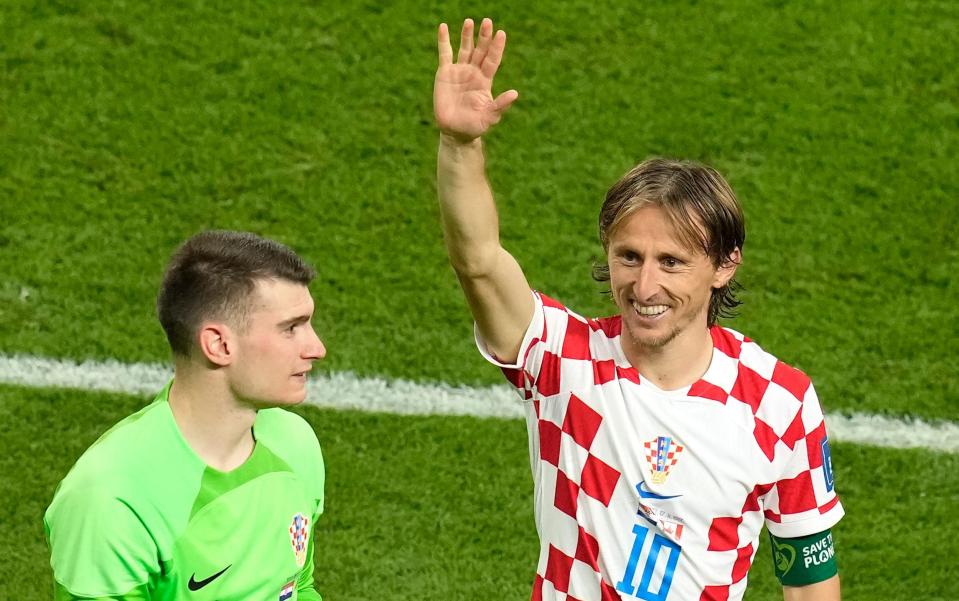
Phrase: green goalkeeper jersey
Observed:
(141, 516)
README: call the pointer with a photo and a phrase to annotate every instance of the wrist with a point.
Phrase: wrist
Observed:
(454, 142)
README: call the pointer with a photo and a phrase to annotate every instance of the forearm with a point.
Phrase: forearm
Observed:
(827, 590)
(470, 220)
(496, 289)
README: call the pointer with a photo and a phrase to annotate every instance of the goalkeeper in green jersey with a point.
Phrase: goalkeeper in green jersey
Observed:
(211, 491)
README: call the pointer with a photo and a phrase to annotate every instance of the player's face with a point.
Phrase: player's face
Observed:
(661, 287)
(278, 346)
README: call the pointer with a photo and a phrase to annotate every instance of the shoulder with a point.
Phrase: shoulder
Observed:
(120, 454)
(139, 474)
(89, 500)
(758, 371)
(287, 433)
(574, 324)
(774, 399)
(278, 421)
(291, 438)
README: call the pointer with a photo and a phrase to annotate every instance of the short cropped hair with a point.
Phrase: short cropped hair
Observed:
(700, 205)
(213, 275)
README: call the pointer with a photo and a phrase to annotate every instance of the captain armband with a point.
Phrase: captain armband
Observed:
(806, 560)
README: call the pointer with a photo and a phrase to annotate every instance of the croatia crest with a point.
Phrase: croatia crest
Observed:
(662, 453)
(300, 537)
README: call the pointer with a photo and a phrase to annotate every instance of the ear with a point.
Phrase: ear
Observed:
(727, 269)
(217, 343)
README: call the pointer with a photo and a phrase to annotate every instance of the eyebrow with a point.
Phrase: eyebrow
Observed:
(680, 252)
(294, 321)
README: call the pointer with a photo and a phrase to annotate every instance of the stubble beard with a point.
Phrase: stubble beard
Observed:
(656, 344)
(645, 343)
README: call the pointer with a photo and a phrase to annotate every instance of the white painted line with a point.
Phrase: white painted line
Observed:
(899, 433)
(403, 397)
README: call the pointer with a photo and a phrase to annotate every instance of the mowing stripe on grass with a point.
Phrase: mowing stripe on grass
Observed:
(347, 391)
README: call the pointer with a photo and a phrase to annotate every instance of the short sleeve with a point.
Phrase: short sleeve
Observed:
(803, 499)
(99, 546)
(554, 333)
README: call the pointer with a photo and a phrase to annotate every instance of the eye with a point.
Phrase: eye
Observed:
(629, 257)
(671, 262)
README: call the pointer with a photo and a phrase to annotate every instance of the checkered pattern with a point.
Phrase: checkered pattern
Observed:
(744, 450)
(660, 461)
(572, 571)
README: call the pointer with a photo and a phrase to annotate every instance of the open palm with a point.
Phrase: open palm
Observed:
(463, 99)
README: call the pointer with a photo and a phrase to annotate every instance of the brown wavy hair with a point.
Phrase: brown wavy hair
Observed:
(700, 205)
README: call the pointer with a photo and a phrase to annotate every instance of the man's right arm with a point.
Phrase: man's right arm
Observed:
(494, 284)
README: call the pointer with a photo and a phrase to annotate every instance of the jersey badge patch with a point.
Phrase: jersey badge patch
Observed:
(671, 525)
(662, 453)
(300, 537)
(827, 464)
(287, 592)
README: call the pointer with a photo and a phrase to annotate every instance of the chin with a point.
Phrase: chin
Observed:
(653, 339)
(299, 395)
(282, 401)
(291, 399)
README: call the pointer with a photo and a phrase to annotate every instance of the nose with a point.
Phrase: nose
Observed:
(647, 284)
(315, 349)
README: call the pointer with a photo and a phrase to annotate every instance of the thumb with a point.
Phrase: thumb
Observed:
(504, 100)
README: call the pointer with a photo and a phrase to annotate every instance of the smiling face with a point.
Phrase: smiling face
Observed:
(661, 286)
(277, 346)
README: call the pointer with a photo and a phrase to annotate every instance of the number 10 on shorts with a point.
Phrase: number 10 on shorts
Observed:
(661, 550)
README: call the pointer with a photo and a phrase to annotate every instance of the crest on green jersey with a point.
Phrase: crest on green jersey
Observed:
(300, 537)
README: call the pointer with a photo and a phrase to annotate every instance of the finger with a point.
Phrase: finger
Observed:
(505, 100)
(466, 42)
(443, 45)
(494, 55)
(485, 37)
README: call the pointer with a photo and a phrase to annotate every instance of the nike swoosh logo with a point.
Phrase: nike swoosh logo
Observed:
(645, 493)
(195, 585)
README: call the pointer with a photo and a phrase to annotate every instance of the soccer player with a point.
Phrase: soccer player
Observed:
(212, 491)
(660, 443)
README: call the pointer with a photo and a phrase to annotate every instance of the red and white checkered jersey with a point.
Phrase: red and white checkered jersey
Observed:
(660, 495)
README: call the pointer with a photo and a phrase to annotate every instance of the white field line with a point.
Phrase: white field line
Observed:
(402, 397)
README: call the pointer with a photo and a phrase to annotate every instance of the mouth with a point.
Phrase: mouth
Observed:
(649, 312)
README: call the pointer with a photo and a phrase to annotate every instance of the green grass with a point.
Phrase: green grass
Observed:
(440, 508)
(128, 126)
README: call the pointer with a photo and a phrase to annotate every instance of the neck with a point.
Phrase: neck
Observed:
(676, 364)
(216, 425)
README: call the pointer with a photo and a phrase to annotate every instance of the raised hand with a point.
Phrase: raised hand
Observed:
(463, 91)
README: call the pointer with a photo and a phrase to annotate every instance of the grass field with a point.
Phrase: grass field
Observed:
(128, 126)
(439, 508)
